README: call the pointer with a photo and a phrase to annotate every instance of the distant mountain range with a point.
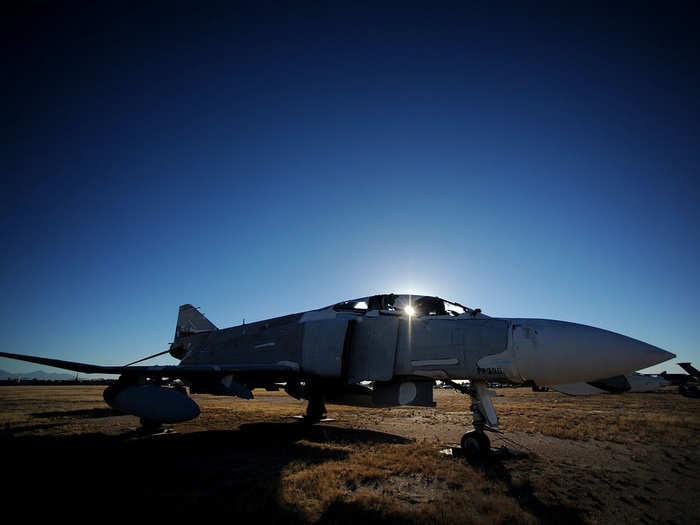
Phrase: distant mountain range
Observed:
(38, 374)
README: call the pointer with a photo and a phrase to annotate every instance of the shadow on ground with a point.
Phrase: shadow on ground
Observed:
(234, 473)
(88, 413)
(228, 473)
(495, 468)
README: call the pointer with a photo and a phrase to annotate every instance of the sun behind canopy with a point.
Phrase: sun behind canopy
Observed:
(411, 305)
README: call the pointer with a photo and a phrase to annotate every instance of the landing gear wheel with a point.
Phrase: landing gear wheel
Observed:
(148, 426)
(476, 444)
(689, 390)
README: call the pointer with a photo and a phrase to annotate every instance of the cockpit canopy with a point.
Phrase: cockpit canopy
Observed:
(412, 305)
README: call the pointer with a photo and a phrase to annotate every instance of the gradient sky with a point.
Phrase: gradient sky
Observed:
(260, 159)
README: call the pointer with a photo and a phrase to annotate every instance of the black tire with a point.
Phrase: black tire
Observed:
(148, 426)
(476, 444)
(689, 390)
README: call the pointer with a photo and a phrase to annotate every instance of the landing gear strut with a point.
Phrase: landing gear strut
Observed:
(476, 443)
(316, 409)
(312, 391)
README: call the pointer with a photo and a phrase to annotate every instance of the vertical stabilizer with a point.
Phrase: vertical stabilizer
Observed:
(190, 322)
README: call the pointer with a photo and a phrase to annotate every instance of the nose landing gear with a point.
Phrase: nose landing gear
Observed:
(476, 443)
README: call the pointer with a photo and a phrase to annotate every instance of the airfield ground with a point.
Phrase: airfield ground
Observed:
(603, 459)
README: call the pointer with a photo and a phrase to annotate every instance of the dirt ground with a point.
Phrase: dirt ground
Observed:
(602, 459)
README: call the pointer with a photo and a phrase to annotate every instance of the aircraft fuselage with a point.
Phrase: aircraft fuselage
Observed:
(389, 346)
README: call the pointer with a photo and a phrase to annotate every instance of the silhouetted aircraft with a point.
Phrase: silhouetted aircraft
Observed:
(615, 385)
(687, 383)
(690, 369)
(399, 343)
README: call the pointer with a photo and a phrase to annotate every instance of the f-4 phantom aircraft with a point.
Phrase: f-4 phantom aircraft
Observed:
(400, 344)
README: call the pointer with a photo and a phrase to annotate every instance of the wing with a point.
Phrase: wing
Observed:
(281, 369)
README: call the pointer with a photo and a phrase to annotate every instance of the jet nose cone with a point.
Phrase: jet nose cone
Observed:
(557, 352)
(657, 354)
(626, 351)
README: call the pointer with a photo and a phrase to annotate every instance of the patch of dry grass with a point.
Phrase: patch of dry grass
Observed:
(660, 418)
(404, 482)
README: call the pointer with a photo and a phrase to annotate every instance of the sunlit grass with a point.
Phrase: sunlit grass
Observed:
(662, 418)
(406, 482)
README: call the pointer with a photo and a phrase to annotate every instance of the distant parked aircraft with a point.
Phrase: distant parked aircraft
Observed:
(687, 383)
(690, 369)
(615, 385)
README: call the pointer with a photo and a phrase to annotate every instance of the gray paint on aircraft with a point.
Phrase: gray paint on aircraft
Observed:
(373, 349)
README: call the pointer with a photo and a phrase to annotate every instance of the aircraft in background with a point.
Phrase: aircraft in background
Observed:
(677, 379)
(692, 371)
(687, 383)
(615, 385)
(400, 343)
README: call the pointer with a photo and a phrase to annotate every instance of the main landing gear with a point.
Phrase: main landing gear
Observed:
(149, 426)
(316, 409)
(476, 443)
(313, 393)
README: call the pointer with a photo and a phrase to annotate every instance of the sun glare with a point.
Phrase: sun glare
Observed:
(410, 310)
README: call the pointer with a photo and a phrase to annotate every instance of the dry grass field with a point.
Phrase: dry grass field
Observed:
(603, 459)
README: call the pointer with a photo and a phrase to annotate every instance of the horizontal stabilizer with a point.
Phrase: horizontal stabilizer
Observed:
(169, 371)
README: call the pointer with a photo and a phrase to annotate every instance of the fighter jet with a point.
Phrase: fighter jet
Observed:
(615, 385)
(687, 383)
(400, 343)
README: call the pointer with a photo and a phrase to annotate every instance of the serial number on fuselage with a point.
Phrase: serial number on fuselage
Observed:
(496, 371)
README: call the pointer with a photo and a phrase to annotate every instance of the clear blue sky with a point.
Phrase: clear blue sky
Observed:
(259, 160)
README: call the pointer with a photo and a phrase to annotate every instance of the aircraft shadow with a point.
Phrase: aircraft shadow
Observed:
(495, 469)
(10, 431)
(318, 433)
(88, 413)
(234, 473)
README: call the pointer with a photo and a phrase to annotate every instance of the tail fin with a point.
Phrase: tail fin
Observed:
(690, 369)
(190, 322)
